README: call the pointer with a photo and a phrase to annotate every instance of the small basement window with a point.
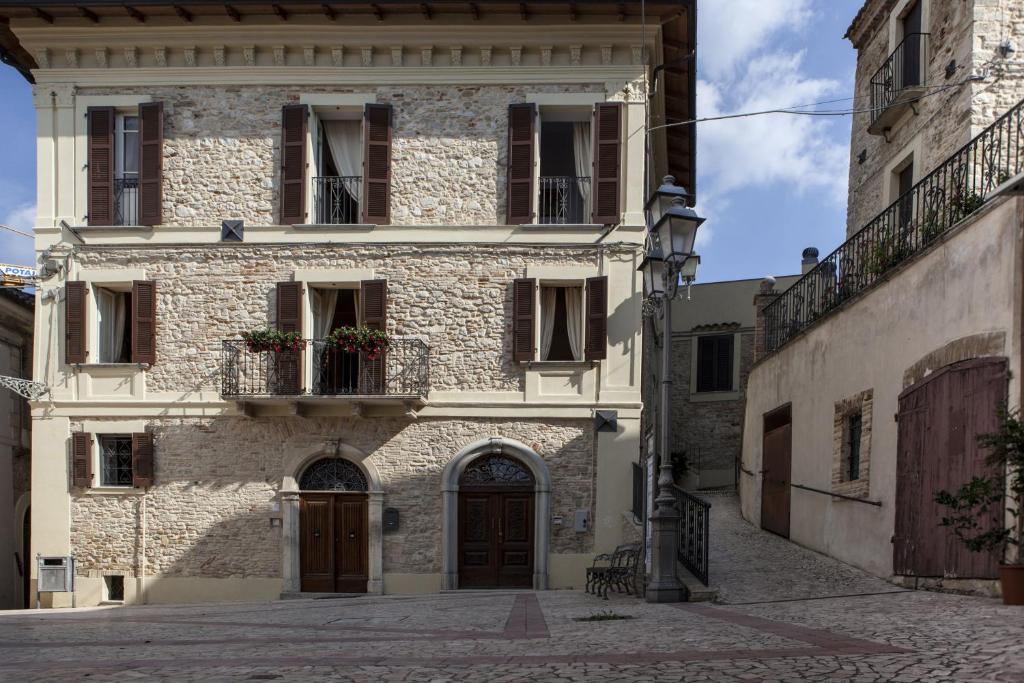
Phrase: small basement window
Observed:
(114, 588)
(561, 323)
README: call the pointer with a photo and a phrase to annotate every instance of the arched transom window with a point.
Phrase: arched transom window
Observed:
(333, 474)
(496, 470)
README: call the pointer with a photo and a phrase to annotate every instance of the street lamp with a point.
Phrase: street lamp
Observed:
(669, 260)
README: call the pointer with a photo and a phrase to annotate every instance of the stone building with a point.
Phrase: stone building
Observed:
(16, 312)
(458, 187)
(878, 369)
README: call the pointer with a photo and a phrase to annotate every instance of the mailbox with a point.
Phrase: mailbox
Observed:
(390, 519)
(56, 574)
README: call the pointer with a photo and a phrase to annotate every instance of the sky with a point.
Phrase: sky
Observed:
(769, 186)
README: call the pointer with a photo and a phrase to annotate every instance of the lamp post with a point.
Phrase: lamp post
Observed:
(669, 260)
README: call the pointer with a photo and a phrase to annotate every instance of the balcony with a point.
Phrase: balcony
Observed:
(990, 164)
(336, 199)
(564, 200)
(899, 83)
(126, 200)
(323, 378)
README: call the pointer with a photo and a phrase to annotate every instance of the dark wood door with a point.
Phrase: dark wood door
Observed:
(777, 450)
(940, 419)
(26, 558)
(912, 25)
(333, 541)
(495, 539)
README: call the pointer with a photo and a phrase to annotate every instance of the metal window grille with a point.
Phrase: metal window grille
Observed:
(853, 429)
(563, 200)
(116, 460)
(336, 199)
(126, 200)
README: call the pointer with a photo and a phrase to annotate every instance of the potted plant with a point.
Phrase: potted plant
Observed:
(978, 509)
(273, 340)
(366, 340)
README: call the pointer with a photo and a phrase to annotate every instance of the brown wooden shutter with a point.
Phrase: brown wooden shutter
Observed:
(607, 179)
(373, 301)
(596, 347)
(100, 129)
(75, 310)
(377, 164)
(81, 459)
(151, 163)
(523, 316)
(144, 321)
(142, 460)
(519, 174)
(293, 164)
(288, 364)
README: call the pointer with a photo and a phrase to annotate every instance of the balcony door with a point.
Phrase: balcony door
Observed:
(338, 161)
(335, 371)
(912, 25)
(565, 170)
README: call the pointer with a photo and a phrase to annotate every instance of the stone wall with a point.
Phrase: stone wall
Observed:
(217, 480)
(994, 22)
(449, 148)
(457, 297)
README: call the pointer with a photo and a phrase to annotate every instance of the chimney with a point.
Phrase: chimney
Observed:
(810, 259)
(765, 295)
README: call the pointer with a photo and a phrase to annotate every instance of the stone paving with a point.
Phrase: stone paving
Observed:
(792, 631)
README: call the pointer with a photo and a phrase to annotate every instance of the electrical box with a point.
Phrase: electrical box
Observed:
(582, 520)
(56, 574)
(390, 519)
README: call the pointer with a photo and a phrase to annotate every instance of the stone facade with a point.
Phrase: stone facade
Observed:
(217, 481)
(860, 404)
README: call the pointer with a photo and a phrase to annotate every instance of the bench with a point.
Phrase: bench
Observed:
(616, 569)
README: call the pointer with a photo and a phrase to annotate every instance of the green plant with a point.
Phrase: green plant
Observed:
(605, 615)
(273, 340)
(977, 509)
(965, 203)
(367, 340)
(885, 253)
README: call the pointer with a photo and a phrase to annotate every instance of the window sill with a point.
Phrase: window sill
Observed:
(353, 227)
(122, 228)
(714, 396)
(581, 227)
(115, 491)
(127, 367)
(557, 364)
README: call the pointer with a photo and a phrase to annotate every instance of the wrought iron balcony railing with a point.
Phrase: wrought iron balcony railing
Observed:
(904, 69)
(957, 188)
(126, 200)
(402, 371)
(336, 199)
(564, 200)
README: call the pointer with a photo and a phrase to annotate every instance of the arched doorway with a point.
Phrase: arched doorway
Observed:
(333, 528)
(527, 480)
(496, 524)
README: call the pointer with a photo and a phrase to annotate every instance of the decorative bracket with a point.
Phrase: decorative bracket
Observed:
(33, 391)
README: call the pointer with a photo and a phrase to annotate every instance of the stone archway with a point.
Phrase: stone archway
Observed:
(294, 466)
(450, 507)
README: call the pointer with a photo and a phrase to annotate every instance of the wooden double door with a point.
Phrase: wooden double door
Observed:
(939, 421)
(334, 542)
(496, 539)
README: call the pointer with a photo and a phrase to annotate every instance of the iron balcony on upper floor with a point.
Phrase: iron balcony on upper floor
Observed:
(899, 83)
(322, 374)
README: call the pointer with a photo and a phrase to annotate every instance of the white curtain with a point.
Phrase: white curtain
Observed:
(581, 152)
(574, 320)
(547, 319)
(345, 140)
(113, 315)
(325, 302)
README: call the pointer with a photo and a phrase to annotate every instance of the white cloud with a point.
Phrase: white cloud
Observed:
(15, 248)
(745, 67)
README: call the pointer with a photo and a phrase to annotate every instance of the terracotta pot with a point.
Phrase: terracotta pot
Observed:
(1011, 578)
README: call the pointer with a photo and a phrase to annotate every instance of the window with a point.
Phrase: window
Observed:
(561, 323)
(116, 461)
(126, 170)
(336, 371)
(902, 183)
(337, 166)
(715, 363)
(113, 312)
(852, 443)
(851, 464)
(565, 168)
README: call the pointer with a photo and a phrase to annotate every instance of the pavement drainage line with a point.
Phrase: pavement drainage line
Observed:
(817, 597)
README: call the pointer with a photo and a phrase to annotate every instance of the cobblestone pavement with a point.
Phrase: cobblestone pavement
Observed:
(799, 635)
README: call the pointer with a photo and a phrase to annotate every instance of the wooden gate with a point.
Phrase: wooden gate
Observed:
(333, 542)
(777, 464)
(939, 420)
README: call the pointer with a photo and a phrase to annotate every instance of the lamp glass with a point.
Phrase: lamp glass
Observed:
(677, 228)
(653, 269)
(689, 270)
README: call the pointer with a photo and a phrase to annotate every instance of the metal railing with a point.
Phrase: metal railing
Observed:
(564, 200)
(957, 188)
(336, 199)
(694, 533)
(402, 371)
(906, 67)
(126, 201)
(639, 499)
